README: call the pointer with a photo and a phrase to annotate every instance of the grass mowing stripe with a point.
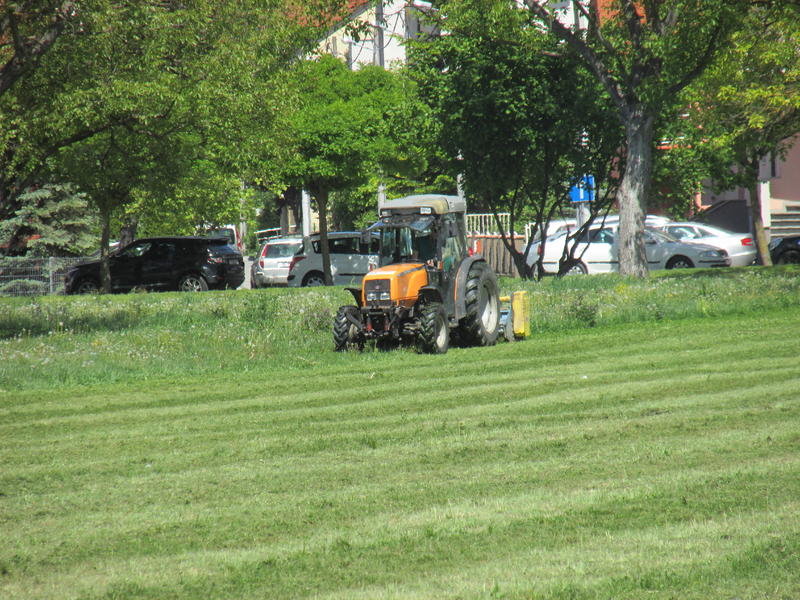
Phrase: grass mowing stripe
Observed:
(555, 513)
(352, 432)
(150, 432)
(330, 399)
(506, 474)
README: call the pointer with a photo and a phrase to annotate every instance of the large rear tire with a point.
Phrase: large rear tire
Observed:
(481, 325)
(434, 333)
(346, 334)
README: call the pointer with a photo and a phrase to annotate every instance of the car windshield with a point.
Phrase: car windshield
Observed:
(220, 243)
(226, 233)
(282, 250)
(709, 231)
(659, 236)
(136, 249)
(410, 240)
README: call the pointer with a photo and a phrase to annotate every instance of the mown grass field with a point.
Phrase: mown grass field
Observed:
(644, 443)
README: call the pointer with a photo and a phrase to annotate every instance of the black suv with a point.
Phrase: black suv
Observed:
(785, 250)
(190, 264)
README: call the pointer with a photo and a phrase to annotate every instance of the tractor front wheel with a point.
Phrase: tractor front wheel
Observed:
(347, 329)
(434, 333)
(481, 324)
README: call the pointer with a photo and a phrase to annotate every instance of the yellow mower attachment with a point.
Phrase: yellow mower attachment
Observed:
(515, 320)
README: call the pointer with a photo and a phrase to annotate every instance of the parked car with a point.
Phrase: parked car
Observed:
(597, 252)
(785, 250)
(740, 248)
(560, 226)
(272, 265)
(351, 259)
(190, 264)
(230, 233)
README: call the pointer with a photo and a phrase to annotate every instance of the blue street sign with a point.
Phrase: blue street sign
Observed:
(583, 191)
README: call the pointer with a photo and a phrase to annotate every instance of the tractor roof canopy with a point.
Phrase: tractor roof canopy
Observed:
(423, 204)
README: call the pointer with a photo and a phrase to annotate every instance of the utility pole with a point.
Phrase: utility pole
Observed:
(377, 51)
(305, 203)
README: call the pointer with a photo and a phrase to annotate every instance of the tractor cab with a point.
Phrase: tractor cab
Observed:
(425, 233)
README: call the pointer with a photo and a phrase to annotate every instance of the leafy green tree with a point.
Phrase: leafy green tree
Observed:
(140, 102)
(521, 119)
(28, 29)
(343, 131)
(747, 105)
(644, 53)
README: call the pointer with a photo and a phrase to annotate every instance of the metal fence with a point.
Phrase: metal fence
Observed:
(25, 276)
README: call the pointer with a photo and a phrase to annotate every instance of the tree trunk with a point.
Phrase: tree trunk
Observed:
(632, 193)
(755, 213)
(127, 232)
(105, 236)
(322, 206)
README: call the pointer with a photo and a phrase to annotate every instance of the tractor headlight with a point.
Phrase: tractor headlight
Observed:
(386, 296)
(372, 296)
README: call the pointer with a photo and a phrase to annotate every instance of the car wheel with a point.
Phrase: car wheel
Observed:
(578, 268)
(346, 334)
(434, 333)
(313, 279)
(790, 257)
(192, 283)
(87, 285)
(679, 262)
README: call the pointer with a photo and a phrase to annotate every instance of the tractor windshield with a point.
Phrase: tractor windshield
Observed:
(406, 240)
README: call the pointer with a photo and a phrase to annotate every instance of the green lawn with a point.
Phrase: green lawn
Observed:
(610, 457)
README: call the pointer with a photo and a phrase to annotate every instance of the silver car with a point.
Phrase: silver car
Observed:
(351, 259)
(271, 267)
(740, 247)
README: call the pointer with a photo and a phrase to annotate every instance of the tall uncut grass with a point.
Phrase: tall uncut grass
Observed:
(104, 339)
(213, 446)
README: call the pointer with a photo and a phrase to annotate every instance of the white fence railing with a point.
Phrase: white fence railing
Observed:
(24, 276)
(486, 224)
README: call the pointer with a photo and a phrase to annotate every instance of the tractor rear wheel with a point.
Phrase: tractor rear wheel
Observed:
(346, 334)
(481, 324)
(434, 333)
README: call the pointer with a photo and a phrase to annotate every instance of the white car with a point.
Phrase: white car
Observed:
(351, 259)
(597, 252)
(740, 247)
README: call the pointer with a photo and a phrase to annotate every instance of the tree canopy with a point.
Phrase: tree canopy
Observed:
(140, 101)
(746, 107)
(644, 53)
(519, 116)
(345, 128)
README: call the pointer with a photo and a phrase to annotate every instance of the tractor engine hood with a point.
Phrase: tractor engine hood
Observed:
(402, 281)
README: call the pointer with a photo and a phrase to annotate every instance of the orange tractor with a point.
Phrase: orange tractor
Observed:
(427, 288)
